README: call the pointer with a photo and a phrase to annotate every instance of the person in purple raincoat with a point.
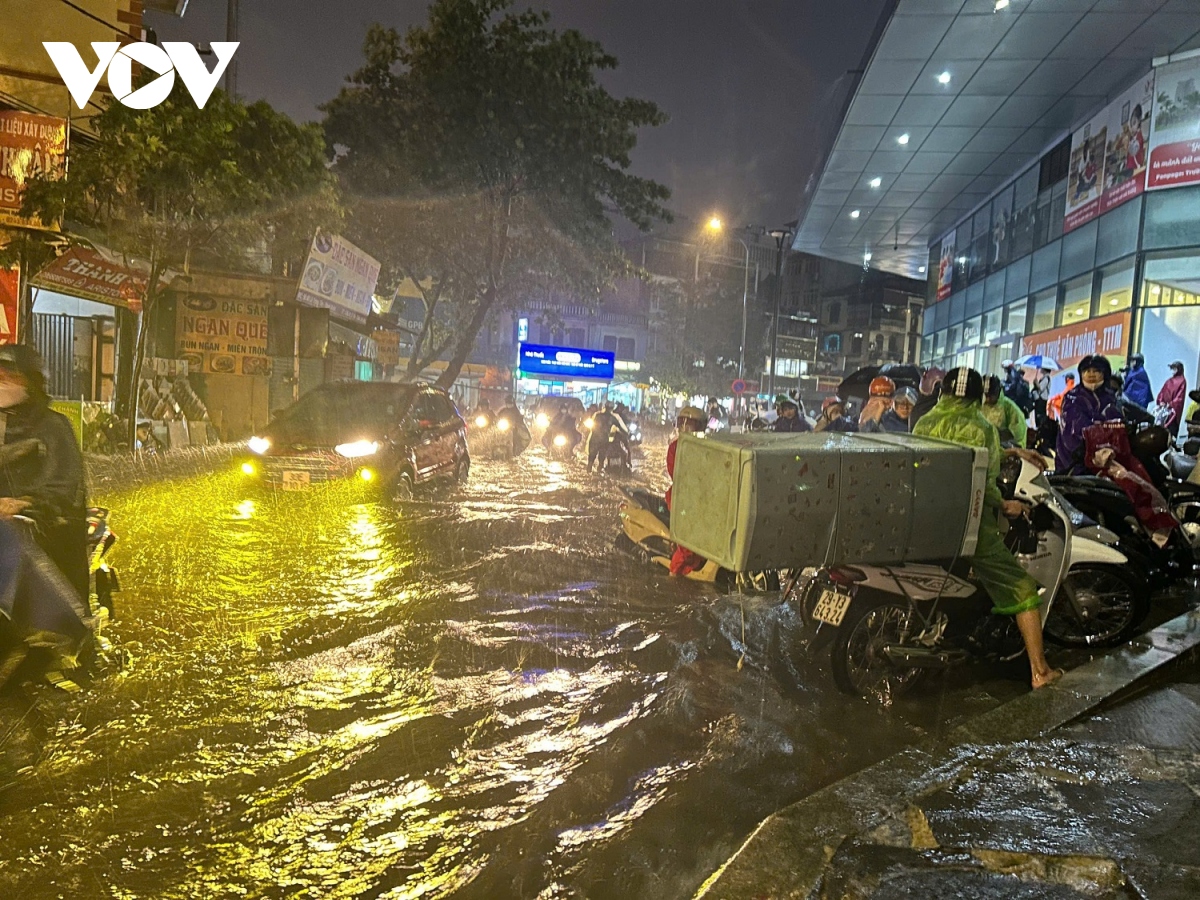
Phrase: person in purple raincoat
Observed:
(1089, 402)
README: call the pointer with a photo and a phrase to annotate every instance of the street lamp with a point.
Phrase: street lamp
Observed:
(715, 225)
(780, 235)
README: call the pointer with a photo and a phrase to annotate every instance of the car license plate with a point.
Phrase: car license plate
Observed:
(831, 607)
(295, 481)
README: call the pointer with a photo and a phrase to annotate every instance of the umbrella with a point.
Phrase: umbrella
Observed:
(856, 384)
(1037, 361)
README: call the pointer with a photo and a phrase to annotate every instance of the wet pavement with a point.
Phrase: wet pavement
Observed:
(472, 695)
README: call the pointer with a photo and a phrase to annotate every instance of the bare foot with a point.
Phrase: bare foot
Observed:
(1051, 676)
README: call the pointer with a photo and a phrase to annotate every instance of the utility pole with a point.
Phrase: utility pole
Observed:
(781, 235)
(231, 34)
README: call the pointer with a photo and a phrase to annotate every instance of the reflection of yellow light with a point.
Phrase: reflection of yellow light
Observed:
(248, 468)
(542, 420)
(366, 475)
(245, 509)
(481, 421)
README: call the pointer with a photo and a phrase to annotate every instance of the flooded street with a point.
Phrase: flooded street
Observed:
(472, 695)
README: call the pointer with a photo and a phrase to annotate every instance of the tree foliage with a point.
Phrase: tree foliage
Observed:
(481, 158)
(167, 188)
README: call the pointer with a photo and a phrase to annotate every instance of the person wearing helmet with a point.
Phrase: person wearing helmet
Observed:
(1016, 388)
(931, 390)
(957, 417)
(895, 420)
(833, 417)
(603, 423)
(1003, 413)
(46, 486)
(789, 419)
(879, 401)
(1088, 403)
(1171, 396)
(1136, 386)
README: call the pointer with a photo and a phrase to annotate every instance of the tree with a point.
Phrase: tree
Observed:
(481, 157)
(173, 186)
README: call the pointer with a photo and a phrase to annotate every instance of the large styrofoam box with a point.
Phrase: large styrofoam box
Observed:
(767, 501)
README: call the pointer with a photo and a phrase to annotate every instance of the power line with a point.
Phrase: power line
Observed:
(93, 16)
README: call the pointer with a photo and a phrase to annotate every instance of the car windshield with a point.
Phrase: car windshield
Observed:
(343, 412)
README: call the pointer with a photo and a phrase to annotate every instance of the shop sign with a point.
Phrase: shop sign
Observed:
(1106, 335)
(82, 272)
(340, 277)
(946, 267)
(387, 345)
(30, 145)
(567, 362)
(9, 305)
(1108, 156)
(1175, 131)
(222, 335)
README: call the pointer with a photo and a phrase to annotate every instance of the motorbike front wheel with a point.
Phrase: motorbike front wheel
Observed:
(1097, 606)
(858, 662)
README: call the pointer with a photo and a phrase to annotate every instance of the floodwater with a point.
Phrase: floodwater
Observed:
(472, 695)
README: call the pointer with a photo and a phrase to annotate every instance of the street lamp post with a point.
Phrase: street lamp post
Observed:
(716, 225)
(780, 235)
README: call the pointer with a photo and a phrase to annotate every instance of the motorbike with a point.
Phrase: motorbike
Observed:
(646, 535)
(886, 626)
(1151, 446)
(560, 445)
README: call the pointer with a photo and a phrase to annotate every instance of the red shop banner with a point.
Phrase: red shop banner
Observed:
(9, 308)
(30, 145)
(82, 272)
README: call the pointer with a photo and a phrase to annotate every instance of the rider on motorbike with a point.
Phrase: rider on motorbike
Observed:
(1003, 413)
(789, 419)
(563, 424)
(957, 418)
(1088, 403)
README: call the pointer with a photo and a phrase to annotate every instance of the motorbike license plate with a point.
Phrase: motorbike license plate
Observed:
(831, 607)
(295, 481)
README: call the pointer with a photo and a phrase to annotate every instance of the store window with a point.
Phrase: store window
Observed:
(1025, 195)
(1014, 316)
(954, 339)
(1116, 288)
(1077, 301)
(1001, 230)
(971, 331)
(962, 254)
(1170, 325)
(1171, 281)
(981, 244)
(1044, 306)
(835, 313)
(626, 348)
(1171, 219)
(833, 343)
(993, 325)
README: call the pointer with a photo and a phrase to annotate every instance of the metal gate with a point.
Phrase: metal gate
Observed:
(54, 338)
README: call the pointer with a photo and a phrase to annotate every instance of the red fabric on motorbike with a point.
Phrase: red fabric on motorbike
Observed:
(1127, 471)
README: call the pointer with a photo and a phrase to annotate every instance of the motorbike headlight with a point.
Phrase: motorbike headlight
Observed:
(355, 449)
(589, 423)
(503, 425)
(259, 445)
(542, 420)
(481, 421)
(560, 440)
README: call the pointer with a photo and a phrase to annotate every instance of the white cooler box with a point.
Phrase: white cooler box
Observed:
(770, 501)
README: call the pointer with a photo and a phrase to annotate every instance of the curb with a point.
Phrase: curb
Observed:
(787, 853)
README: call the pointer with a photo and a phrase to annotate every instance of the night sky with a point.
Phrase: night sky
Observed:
(747, 83)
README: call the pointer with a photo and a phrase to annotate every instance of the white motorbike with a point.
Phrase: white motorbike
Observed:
(887, 625)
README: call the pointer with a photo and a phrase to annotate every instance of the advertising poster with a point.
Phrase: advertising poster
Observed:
(222, 335)
(1175, 129)
(30, 145)
(1085, 179)
(388, 344)
(340, 277)
(1106, 335)
(82, 272)
(946, 267)
(9, 292)
(1128, 144)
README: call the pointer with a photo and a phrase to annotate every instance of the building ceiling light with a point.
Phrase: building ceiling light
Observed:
(867, 256)
(903, 139)
(944, 78)
(854, 213)
(875, 182)
(921, 270)
(1001, 4)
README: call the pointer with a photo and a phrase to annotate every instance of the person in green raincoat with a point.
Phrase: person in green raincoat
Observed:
(957, 417)
(1003, 413)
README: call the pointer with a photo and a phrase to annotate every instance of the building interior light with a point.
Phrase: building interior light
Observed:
(903, 139)
(944, 78)
(1001, 4)
(921, 270)
(867, 256)
(854, 213)
(875, 182)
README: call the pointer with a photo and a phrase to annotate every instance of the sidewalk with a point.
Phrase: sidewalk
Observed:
(1062, 793)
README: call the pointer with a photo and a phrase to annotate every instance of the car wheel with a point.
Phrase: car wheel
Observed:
(462, 469)
(402, 488)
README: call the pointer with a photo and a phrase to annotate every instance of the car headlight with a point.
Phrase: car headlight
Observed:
(560, 440)
(259, 445)
(589, 422)
(542, 420)
(355, 449)
(503, 425)
(481, 421)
